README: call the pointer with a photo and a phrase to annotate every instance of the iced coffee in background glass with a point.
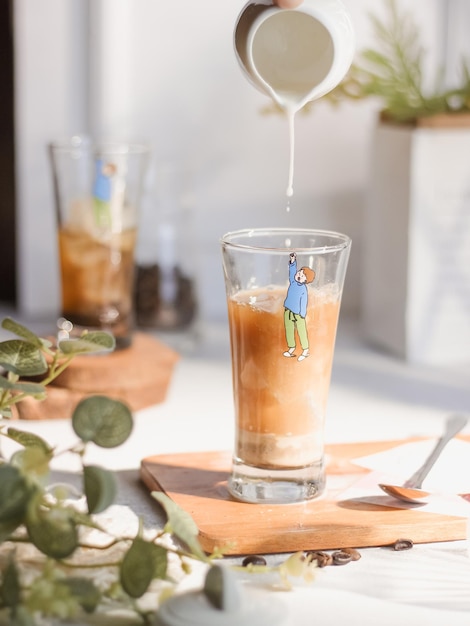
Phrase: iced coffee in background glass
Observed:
(284, 291)
(97, 195)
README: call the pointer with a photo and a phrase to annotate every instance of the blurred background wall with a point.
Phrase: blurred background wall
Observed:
(166, 73)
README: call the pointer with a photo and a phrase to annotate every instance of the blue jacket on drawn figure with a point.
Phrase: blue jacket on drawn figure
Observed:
(297, 295)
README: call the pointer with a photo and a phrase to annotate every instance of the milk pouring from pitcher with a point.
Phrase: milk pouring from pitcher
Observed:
(294, 55)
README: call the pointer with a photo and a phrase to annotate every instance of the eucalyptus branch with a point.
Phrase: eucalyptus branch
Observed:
(56, 368)
(33, 513)
(78, 448)
(100, 565)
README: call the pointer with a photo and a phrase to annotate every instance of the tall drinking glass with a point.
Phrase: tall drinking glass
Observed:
(97, 195)
(284, 289)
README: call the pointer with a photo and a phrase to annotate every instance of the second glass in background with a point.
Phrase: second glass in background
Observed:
(97, 195)
(166, 289)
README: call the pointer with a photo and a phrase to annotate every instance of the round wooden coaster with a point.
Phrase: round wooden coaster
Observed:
(138, 375)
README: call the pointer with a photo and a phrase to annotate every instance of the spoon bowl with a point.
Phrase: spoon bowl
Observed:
(411, 490)
(407, 494)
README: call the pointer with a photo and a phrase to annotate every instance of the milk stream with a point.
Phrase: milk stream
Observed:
(292, 53)
(290, 107)
(290, 112)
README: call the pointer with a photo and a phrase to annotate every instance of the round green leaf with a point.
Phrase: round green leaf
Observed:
(14, 494)
(180, 523)
(27, 439)
(102, 420)
(142, 563)
(99, 487)
(22, 331)
(53, 532)
(22, 358)
(94, 341)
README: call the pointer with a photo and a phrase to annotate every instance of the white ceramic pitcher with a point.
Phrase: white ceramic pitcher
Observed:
(295, 55)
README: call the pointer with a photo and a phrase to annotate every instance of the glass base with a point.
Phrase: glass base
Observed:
(276, 486)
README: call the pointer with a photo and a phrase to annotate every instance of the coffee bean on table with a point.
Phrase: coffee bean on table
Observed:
(355, 555)
(341, 557)
(322, 558)
(253, 559)
(402, 544)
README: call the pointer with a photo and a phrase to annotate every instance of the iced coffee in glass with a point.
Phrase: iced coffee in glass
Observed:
(97, 193)
(284, 291)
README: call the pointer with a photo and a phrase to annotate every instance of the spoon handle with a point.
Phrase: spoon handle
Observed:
(454, 425)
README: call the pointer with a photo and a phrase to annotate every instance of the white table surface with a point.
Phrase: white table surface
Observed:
(373, 396)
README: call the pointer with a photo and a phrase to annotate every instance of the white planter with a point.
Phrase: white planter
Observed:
(416, 270)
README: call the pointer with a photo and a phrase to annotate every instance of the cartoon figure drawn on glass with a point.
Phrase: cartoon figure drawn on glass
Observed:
(102, 191)
(295, 308)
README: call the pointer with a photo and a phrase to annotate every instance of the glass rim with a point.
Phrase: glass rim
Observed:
(102, 146)
(230, 239)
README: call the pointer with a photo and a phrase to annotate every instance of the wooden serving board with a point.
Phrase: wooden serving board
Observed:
(198, 483)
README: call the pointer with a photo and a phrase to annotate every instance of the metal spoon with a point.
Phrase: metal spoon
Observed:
(411, 490)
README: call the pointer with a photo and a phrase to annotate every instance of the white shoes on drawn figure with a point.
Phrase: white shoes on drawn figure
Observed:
(304, 355)
(290, 353)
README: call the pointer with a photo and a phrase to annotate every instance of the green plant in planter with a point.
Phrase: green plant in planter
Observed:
(49, 569)
(392, 74)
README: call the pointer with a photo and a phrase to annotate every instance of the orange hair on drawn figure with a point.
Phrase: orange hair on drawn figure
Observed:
(309, 274)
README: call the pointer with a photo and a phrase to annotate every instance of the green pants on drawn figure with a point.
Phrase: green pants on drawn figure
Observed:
(293, 321)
